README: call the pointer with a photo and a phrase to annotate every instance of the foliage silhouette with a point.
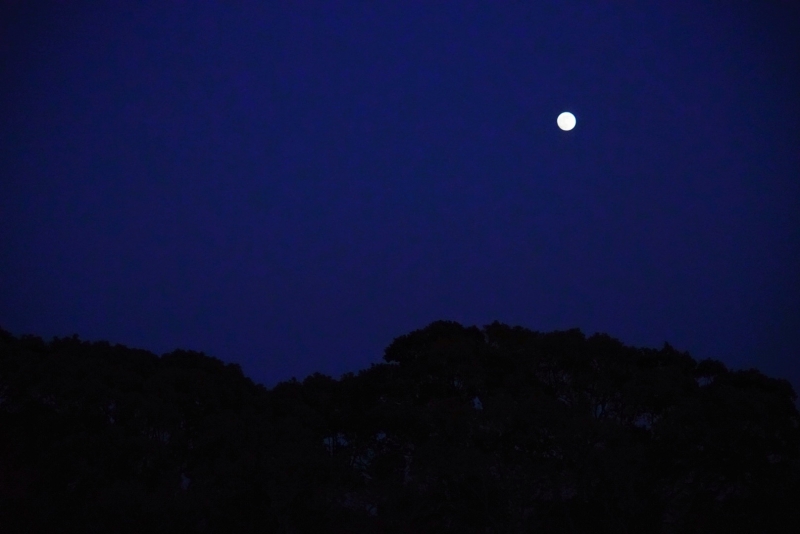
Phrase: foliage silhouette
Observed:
(499, 429)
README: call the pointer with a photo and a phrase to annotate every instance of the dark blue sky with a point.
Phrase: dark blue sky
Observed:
(292, 185)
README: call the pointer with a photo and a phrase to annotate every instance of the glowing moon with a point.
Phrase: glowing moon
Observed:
(566, 121)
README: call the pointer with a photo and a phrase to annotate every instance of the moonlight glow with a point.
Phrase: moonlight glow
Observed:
(566, 121)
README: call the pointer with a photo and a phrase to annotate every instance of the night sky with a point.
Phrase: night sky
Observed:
(291, 185)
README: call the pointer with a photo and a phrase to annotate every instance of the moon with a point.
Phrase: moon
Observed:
(566, 121)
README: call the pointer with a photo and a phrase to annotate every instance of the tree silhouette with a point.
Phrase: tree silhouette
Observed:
(499, 429)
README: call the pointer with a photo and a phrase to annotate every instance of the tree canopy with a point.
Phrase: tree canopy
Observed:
(463, 429)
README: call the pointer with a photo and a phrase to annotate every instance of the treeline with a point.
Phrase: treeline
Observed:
(493, 430)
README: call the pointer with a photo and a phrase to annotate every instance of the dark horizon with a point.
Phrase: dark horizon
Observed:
(460, 430)
(433, 326)
(292, 187)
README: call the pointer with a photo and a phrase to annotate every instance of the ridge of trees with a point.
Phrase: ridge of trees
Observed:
(493, 430)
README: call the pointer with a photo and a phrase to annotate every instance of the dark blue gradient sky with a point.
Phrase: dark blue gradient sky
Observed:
(292, 185)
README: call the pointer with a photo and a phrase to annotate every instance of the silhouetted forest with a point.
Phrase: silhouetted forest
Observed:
(493, 430)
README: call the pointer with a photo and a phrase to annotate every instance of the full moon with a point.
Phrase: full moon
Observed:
(566, 121)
